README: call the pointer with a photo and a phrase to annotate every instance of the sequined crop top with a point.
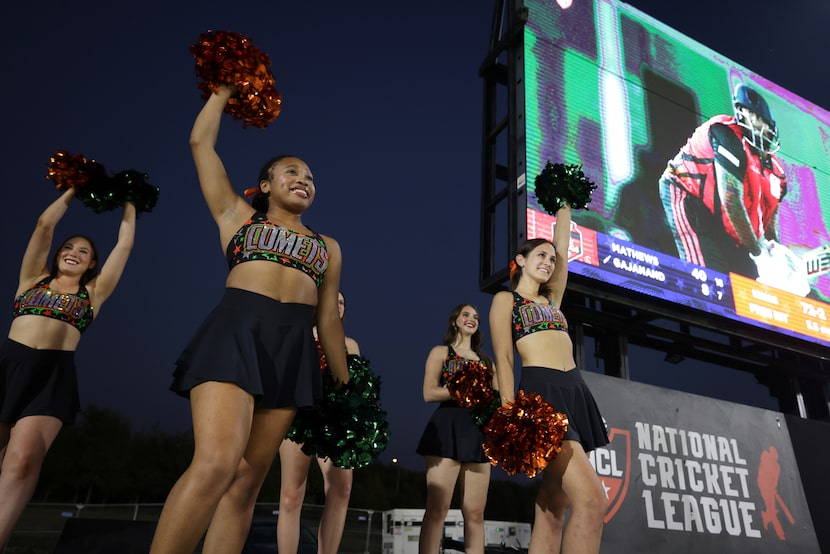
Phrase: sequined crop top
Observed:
(74, 309)
(453, 363)
(259, 239)
(530, 316)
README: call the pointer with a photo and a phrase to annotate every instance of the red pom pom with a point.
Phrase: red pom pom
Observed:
(525, 436)
(472, 387)
(73, 170)
(225, 57)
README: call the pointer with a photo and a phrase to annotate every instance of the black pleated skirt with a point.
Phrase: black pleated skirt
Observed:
(37, 382)
(568, 393)
(452, 433)
(264, 346)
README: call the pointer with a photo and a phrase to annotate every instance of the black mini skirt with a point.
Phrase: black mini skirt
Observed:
(452, 433)
(568, 393)
(264, 346)
(37, 382)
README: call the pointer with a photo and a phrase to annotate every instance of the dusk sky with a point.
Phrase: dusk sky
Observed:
(381, 99)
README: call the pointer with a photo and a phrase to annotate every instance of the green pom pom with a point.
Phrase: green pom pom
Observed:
(349, 426)
(560, 184)
(482, 416)
(103, 193)
(133, 187)
(99, 195)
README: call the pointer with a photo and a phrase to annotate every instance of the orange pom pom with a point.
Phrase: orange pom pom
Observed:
(73, 170)
(472, 387)
(525, 435)
(225, 57)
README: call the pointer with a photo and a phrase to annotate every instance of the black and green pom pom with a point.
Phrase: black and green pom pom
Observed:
(559, 184)
(349, 427)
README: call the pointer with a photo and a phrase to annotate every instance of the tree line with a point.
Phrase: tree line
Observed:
(101, 460)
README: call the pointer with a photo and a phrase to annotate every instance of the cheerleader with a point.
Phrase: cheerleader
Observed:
(38, 380)
(451, 443)
(528, 319)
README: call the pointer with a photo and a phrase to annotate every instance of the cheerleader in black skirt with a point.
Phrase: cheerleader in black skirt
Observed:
(38, 380)
(253, 361)
(452, 442)
(528, 318)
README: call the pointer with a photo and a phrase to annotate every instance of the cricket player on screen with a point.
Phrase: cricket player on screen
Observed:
(721, 194)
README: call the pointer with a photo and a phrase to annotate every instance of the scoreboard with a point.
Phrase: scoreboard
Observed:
(621, 94)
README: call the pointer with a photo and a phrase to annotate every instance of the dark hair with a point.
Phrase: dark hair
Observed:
(526, 248)
(90, 273)
(260, 200)
(476, 341)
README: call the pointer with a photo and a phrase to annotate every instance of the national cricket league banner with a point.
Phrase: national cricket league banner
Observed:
(687, 473)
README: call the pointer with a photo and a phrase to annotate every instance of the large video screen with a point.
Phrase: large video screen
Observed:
(713, 182)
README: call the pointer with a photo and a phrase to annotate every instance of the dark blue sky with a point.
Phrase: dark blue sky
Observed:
(384, 102)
